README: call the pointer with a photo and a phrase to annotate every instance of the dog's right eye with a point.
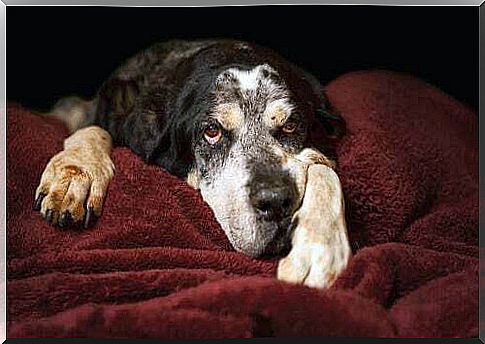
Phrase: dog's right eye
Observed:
(212, 133)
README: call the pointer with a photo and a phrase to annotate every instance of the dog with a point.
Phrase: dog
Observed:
(248, 129)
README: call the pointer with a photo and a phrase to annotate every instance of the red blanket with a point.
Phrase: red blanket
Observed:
(158, 265)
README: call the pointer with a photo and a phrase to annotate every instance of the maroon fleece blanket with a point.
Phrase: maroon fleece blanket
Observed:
(158, 265)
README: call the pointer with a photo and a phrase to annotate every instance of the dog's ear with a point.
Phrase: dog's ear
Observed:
(142, 132)
(158, 135)
(333, 124)
(142, 122)
(326, 125)
(129, 122)
(116, 97)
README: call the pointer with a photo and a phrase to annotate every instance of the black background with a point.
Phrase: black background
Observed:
(57, 51)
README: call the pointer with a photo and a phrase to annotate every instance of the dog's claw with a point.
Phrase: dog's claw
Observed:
(65, 219)
(49, 215)
(90, 217)
(38, 202)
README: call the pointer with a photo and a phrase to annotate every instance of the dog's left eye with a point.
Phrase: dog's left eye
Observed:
(212, 134)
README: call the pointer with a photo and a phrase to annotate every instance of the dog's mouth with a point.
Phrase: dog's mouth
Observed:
(276, 236)
(277, 249)
(281, 243)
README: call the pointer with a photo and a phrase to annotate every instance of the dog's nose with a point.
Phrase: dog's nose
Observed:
(273, 203)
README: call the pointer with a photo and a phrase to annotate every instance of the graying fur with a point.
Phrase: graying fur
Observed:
(227, 186)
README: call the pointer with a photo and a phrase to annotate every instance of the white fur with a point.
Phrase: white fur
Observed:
(248, 80)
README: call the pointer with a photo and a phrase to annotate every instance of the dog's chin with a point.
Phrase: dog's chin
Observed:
(276, 249)
(272, 240)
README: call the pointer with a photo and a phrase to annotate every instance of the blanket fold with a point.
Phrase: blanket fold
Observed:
(158, 265)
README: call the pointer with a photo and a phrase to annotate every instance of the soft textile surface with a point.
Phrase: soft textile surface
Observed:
(158, 265)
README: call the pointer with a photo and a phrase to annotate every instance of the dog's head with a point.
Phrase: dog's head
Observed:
(246, 123)
(245, 164)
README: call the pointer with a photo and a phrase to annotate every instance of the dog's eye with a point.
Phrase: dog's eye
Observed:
(289, 127)
(212, 134)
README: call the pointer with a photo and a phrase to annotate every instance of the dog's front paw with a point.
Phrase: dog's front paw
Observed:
(315, 265)
(320, 246)
(74, 183)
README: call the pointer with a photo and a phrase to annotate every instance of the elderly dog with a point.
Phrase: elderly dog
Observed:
(247, 128)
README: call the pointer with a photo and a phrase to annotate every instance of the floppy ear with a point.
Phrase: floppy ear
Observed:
(333, 124)
(115, 101)
(142, 122)
(158, 135)
(326, 126)
(116, 98)
(128, 118)
(142, 133)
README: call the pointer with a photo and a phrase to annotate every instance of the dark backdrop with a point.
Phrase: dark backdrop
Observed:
(58, 51)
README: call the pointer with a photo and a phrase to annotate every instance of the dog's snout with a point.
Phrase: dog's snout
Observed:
(273, 203)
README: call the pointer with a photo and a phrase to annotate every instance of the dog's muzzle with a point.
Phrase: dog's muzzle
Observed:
(273, 198)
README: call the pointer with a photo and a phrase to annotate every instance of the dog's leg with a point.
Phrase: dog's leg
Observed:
(320, 246)
(74, 183)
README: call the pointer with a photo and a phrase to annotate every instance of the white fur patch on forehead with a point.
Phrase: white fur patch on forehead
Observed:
(248, 80)
(251, 79)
